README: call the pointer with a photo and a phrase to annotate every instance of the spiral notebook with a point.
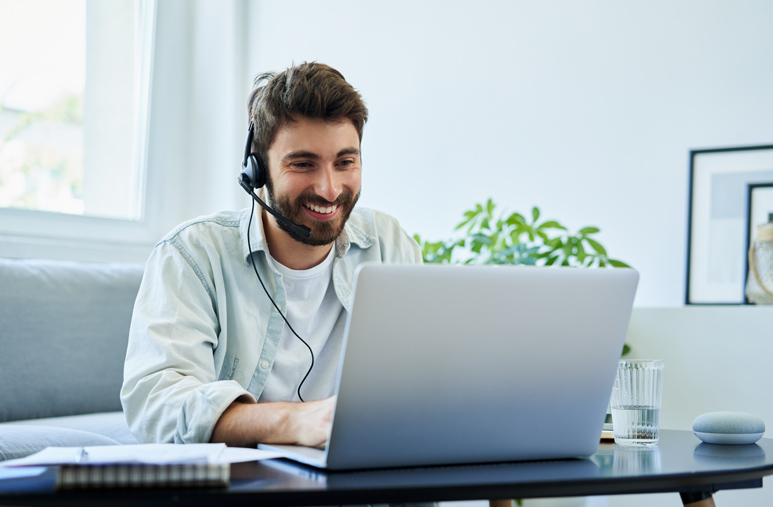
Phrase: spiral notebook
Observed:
(141, 465)
(143, 476)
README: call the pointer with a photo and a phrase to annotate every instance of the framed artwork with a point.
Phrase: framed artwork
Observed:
(759, 212)
(718, 220)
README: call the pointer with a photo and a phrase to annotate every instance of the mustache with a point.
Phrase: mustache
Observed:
(344, 198)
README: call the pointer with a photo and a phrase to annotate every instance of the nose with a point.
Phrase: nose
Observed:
(328, 184)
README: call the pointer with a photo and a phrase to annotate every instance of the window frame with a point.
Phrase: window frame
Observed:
(46, 234)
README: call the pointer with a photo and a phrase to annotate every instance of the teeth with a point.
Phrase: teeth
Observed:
(319, 209)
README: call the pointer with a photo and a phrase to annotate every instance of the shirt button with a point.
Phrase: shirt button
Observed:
(264, 364)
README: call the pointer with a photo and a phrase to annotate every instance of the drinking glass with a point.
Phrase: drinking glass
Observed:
(636, 400)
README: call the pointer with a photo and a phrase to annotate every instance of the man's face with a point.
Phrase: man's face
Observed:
(314, 176)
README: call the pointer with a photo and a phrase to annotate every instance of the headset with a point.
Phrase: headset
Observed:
(253, 169)
(253, 176)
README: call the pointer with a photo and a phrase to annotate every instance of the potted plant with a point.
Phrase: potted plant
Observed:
(512, 239)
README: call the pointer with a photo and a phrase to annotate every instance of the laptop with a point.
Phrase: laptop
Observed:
(447, 365)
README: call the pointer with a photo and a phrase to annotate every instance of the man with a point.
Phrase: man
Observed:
(219, 354)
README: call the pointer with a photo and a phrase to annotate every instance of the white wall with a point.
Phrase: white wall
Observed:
(587, 108)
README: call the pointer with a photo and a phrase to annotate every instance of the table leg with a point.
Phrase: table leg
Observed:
(697, 499)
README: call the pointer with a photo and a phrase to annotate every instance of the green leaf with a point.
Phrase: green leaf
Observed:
(626, 350)
(523, 228)
(535, 213)
(464, 222)
(618, 264)
(516, 219)
(490, 206)
(589, 230)
(482, 238)
(581, 255)
(596, 246)
(551, 224)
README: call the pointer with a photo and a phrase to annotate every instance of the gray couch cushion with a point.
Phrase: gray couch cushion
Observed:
(63, 331)
(108, 424)
(19, 440)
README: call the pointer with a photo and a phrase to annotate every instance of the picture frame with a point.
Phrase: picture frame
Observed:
(759, 210)
(718, 221)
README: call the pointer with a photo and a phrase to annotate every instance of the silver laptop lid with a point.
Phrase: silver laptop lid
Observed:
(450, 364)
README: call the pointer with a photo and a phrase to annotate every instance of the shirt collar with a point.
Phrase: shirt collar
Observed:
(257, 236)
(352, 235)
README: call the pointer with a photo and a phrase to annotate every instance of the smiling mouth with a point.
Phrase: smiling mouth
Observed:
(324, 210)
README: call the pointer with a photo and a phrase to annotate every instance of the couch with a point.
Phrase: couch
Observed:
(63, 333)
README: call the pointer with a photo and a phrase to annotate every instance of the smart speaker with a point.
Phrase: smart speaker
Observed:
(728, 428)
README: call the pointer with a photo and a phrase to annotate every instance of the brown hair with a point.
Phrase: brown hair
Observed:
(310, 89)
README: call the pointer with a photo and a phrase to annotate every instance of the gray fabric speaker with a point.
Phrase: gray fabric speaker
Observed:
(728, 428)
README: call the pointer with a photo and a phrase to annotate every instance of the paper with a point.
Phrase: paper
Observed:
(20, 473)
(149, 454)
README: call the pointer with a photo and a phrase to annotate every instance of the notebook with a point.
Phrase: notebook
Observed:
(138, 465)
(459, 364)
(137, 475)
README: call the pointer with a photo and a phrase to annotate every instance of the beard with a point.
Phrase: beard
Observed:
(322, 232)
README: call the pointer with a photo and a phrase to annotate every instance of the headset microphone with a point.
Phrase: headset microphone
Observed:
(300, 230)
(254, 174)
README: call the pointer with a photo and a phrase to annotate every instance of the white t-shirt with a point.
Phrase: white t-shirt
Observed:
(316, 314)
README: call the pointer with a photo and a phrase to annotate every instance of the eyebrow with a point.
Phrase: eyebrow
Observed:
(348, 151)
(314, 156)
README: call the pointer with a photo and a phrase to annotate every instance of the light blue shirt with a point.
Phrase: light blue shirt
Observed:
(203, 332)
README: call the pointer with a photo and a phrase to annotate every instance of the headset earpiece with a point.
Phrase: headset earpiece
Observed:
(253, 168)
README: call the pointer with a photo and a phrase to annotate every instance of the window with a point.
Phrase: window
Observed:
(73, 106)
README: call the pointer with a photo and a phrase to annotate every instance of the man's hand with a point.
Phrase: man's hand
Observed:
(310, 421)
(245, 424)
